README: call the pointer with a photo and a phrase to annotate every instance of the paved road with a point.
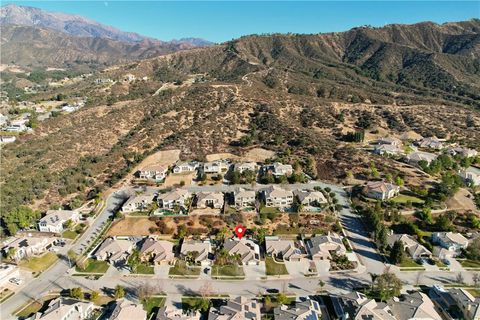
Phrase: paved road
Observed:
(57, 277)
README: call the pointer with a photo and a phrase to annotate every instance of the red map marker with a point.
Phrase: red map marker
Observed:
(240, 231)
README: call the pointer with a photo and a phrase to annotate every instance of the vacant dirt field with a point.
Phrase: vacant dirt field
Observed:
(258, 155)
(131, 226)
(462, 201)
(175, 179)
(220, 156)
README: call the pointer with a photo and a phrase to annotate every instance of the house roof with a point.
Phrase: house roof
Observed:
(287, 248)
(60, 307)
(320, 243)
(356, 305)
(112, 245)
(174, 195)
(411, 245)
(451, 237)
(380, 186)
(162, 249)
(127, 310)
(277, 192)
(57, 217)
(237, 309)
(245, 248)
(25, 242)
(202, 196)
(389, 140)
(202, 247)
(143, 198)
(242, 193)
(415, 305)
(304, 194)
(420, 155)
(307, 309)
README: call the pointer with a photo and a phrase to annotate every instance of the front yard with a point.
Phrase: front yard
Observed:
(181, 269)
(152, 304)
(273, 268)
(94, 266)
(228, 271)
(144, 269)
(39, 264)
(409, 263)
(470, 264)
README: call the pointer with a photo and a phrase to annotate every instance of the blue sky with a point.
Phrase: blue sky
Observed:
(220, 21)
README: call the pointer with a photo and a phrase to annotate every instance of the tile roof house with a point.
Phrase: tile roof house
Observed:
(176, 197)
(248, 250)
(279, 169)
(417, 156)
(202, 250)
(305, 310)
(387, 149)
(451, 241)
(321, 247)
(218, 166)
(173, 313)
(310, 197)
(412, 247)
(182, 167)
(127, 310)
(356, 306)
(54, 220)
(237, 309)
(115, 251)
(244, 198)
(389, 141)
(154, 172)
(468, 304)
(414, 305)
(158, 251)
(283, 249)
(213, 200)
(65, 309)
(381, 190)
(138, 203)
(244, 166)
(430, 143)
(471, 175)
(276, 196)
(29, 246)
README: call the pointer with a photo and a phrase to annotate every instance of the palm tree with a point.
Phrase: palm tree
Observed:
(373, 277)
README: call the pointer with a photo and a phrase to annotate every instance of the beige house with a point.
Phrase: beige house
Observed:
(115, 251)
(387, 149)
(412, 247)
(54, 220)
(25, 247)
(279, 169)
(451, 241)
(199, 250)
(283, 249)
(182, 167)
(248, 250)
(158, 251)
(66, 309)
(322, 247)
(127, 310)
(381, 190)
(213, 200)
(310, 197)
(415, 157)
(154, 172)
(471, 176)
(465, 152)
(276, 196)
(138, 203)
(244, 198)
(391, 141)
(237, 309)
(219, 166)
(430, 143)
(173, 198)
(244, 166)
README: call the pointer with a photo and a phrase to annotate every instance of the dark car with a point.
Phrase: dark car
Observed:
(273, 291)
(206, 270)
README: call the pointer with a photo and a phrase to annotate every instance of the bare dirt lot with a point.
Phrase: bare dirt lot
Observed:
(131, 226)
(177, 178)
(258, 155)
(462, 201)
(221, 156)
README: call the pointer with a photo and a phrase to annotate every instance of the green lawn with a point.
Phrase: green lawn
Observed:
(274, 268)
(403, 198)
(30, 309)
(470, 263)
(69, 234)
(269, 210)
(474, 292)
(152, 304)
(409, 263)
(145, 269)
(228, 271)
(181, 269)
(39, 264)
(94, 266)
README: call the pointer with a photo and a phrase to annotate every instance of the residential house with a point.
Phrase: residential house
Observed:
(322, 247)
(115, 251)
(54, 220)
(244, 166)
(238, 308)
(182, 167)
(471, 176)
(442, 253)
(381, 190)
(66, 309)
(248, 250)
(356, 306)
(18, 125)
(451, 241)
(413, 305)
(304, 310)
(174, 313)
(279, 169)
(310, 197)
(158, 251)
(389, 141)
(175, 198)
(154, 172)
(219, 166)
(8, 271)
(415, 157)
(283, 249)
(213, 200)
(8, 139)
(414, 249)
(276, 196)
(200, 251)
(25, 247)
(244, 198)
(468, 304)
(464, 152)
(430, 143)
(127, 310)
(138, 203)
(387, 149)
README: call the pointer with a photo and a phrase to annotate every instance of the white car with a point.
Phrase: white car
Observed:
(16, 281)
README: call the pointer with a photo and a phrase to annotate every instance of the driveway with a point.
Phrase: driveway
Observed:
(255, 272)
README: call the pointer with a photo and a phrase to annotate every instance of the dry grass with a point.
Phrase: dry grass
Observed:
(258, 155)
(462, 201)
(176, 179)
(220, 156)
(132, 226)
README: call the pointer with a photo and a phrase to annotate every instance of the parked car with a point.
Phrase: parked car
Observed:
(16, 281)
(446, 261)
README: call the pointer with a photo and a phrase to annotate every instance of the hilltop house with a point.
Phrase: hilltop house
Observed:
(25, 247)
(310, 197)
(244, 198)
(391, 141)
(54, 220)
(115, 251)
(412, 247)
(182, 167)
(213, 200)
(471, 176)
(7, 139)
(138, 203)
(244, 166)
(278, 169)
(415, 157)
(158, 251)
(322, 247)
(127, 310)
(65, 309)
(238, 308)
(305, 310)
(283, 249)
(381, 190)
(430, 143)
(248, 250)
(219, 166)
(464, 152)
(451, 241)
(199, 251)
(387, 149)
(174, 198)
(154, 172)
(276, 196)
